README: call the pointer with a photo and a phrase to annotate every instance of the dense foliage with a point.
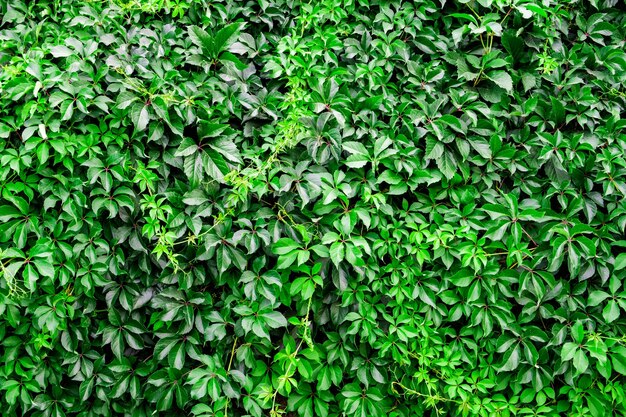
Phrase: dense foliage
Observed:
(324, 208)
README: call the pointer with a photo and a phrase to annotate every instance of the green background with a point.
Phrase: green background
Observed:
(333, 208)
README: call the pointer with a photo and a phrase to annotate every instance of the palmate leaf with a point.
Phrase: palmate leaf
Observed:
(213, 45)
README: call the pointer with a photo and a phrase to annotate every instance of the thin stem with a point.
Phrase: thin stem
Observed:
(230, 362)
(474, 11)
(529, 237)
(506, 15)
(482, 42)
(477, 79)
(496, 253)
(305, 336)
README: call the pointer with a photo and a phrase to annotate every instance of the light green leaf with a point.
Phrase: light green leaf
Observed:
(618, 359)
(143, 119)
(611, 311)
(337, 252)
(596, 297)
(568, 351)
(274, 319)
(284, 246)
(61, 51)
(581, 363)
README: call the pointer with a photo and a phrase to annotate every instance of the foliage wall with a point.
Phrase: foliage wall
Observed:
(324, 208)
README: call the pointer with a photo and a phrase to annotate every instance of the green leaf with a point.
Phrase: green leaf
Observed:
(60, 51)
(465, 16)
(611, 312)
(215, 165)
(502, 79)
(513, 44)
(447, 164)
(186, 148)
(30, 277)
(596, 297)
(284, 246)
(355, 148)
(226, 36)
(286, 260)
(578, 333)
(274, 319)
(337, 252)
(618, 359)
(142, 119)
(44, 268)
(357, 161)
(200, 38)
(176, 356)
(229, 57)
(512, 359)
(67, 109)
(581, 363)
(568, 351)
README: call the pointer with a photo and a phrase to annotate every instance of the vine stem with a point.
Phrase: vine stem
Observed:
(529, 237)
(474, 11)
(524, 257)
(436, 397)
(480, 74)
(496, 253)
(230, 363)
(305, 336)
(506, 15)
